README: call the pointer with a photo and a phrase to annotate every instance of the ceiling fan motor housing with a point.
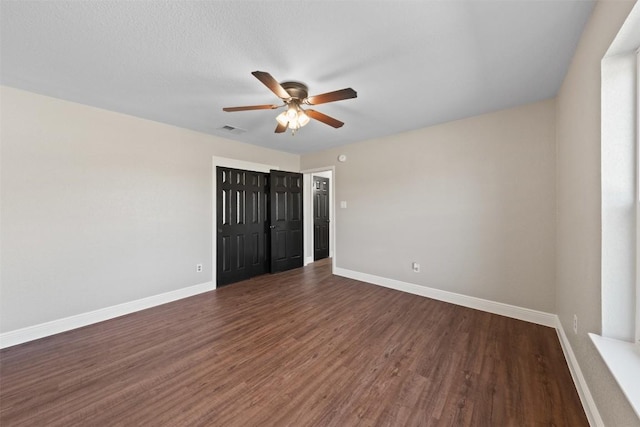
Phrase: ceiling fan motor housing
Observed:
(296, 89)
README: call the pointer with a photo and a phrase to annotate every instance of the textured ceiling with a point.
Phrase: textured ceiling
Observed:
(413, 63)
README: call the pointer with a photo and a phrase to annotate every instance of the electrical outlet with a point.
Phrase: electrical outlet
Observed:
(198, 268)
(416, 267)
(575, 323)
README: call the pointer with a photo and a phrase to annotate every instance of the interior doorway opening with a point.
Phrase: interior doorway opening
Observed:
(321, 217)
(309, 222)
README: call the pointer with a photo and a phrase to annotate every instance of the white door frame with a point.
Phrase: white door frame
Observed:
(308, 214)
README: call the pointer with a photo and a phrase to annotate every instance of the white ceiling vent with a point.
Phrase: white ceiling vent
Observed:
(233, 130)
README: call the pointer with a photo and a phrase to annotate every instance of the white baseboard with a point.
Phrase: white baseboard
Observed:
(42, 330)
(589, 405)
(515, 312)
(308, 260)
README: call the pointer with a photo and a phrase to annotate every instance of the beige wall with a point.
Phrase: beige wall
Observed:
(472, 201)
(100, 208)
(579, 207)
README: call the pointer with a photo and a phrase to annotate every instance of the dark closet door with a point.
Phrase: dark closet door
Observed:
(242, 224)
(286, 220)
(320, 217)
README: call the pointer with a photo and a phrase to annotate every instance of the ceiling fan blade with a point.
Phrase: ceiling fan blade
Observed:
(337, 95)
(324, 118)
(280, 128)
(272, 84)
(250, 107)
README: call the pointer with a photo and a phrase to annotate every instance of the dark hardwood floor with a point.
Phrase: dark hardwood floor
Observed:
(300, 348)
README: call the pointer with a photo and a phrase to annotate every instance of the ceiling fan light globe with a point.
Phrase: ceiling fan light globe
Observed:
(303, 119)
(282, 118)
(292, 113)
(294, 124)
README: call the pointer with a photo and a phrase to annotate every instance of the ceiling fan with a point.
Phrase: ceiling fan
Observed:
(294, 95)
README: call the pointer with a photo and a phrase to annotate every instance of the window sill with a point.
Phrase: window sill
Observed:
(623, 360)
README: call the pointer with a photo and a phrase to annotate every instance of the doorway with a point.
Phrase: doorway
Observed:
(309, 228)
(320, 217)
(259, 223)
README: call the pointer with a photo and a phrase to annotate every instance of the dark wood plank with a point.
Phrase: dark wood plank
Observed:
(297, 348)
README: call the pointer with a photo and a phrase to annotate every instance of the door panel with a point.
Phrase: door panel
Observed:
(255, 248)
(242, 224)
(225, 252)
(296, 200)
(320, 217)
(240, 254)
(280, 237)
(280, 212)
(286, 220)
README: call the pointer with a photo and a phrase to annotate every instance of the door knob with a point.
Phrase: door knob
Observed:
(272, 227)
